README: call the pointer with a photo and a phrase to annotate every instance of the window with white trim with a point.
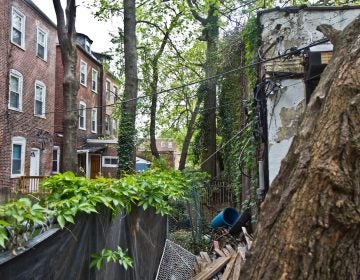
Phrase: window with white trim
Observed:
(83, 73)
(39, 105)
(107, 123)
(108, 93)
(94, 120)
(18, 28)
(82, 115)
(18, 147)
(41, 46)
(87, 46)
(114, 127)
(109, 161)
(15, 90)
(94, 80)
(115, 94)
(56, 160)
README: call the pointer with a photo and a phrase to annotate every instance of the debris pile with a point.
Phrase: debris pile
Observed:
(228, 255)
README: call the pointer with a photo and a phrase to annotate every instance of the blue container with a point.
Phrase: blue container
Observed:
(226, 218)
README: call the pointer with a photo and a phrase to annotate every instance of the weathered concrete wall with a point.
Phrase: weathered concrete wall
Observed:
(285, 108)
(284, 29)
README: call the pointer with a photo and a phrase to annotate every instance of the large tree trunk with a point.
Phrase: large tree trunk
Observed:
(310, 221)
(67, 39)
(127, 132)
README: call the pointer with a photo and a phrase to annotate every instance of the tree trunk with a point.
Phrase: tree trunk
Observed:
(188, 136)
(127, 132)
(67, 39)
(310, 221)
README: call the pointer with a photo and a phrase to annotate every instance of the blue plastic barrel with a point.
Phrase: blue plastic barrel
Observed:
(226, 218)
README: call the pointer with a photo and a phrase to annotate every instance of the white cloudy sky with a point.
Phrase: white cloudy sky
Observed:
(85, 23)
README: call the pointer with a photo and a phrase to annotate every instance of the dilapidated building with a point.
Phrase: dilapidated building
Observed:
(293, 55)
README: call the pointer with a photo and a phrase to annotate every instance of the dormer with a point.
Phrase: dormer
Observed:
(84, 41)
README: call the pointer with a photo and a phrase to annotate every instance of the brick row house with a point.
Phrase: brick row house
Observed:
(27, 82)
(31, 103)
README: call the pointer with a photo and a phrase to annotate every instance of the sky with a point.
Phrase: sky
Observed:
(85, 23)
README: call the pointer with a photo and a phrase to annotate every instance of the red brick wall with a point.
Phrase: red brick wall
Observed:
(37, 131)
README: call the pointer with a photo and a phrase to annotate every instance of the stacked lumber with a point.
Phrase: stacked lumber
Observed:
(225, 262)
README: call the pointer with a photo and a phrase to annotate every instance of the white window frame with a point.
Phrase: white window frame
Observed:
(87, 46)
(93, 71)
(108, 89)
(170, 145)
(18, 140)
(16, 11)
(107, 121)
(93, 120)
(81, 103)
(109, 165)
(42, 85)
(114, 127)
(85, 74)
(39, 29)
(19, 76)
(57, 149)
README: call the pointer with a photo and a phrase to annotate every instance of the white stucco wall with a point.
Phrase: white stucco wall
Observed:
(281, 31)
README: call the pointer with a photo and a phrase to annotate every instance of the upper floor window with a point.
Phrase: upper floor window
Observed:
(94, 80)
(107, 123)
(83, 73)
(107, 90)
(18, 156)
(82, 115)
(40, 93)
(114, 127)
(94, 120)
(41, 46)
(87, 46)
(56, 160)
(170, 145)
(18, 28)
(15, 90)
(115, 94)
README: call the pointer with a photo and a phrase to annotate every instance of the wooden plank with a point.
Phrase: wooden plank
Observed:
(237, 267)
(219, 252)
(226, 252)
(202, 263)
(230, 249)
(206, 257)
(196, 268)
(247, 237)
(229, 267)
(212, 269)
(242, 250)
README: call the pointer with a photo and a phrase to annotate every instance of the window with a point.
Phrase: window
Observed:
(82, 115)
(39, 106)
(115, 94)
(56, 159)
(41, 46)
(94, 80)
(18, 28)
(108, 161)
(83, 73)
(114, 127)
(15, 90)
(87, 46)
(107, 90)
(18, 156)
(162, 144)
(107, 123)
(94, 120)
(170, 145)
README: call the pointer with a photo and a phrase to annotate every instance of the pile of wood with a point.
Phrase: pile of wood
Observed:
(225, 262)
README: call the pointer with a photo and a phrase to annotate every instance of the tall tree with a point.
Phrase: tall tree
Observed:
(127, 131)
(310, 221)
(67, 40)
(210, 34)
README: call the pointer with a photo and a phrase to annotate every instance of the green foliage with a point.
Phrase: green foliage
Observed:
(18, 216)
(119, 255)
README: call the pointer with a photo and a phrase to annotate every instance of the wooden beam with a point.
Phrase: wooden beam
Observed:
(237, 268)
(212, 269)
(229, 267)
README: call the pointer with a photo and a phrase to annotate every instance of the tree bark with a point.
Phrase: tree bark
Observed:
(310, 220)
(67, 39)
(127, 131)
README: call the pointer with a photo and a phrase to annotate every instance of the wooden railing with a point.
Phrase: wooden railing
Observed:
(29, 184)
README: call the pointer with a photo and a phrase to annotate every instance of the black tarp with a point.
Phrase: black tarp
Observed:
(66, 253)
